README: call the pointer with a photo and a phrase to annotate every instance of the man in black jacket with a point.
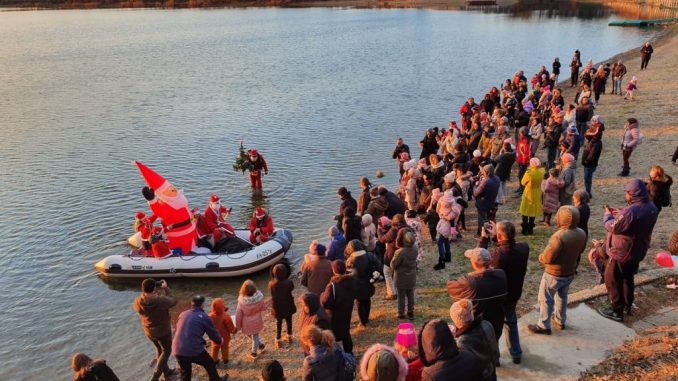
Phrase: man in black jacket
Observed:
(510, 256)
(645, 55)
(400, 148)
(593, 146)
(485, 287)
(347, 201)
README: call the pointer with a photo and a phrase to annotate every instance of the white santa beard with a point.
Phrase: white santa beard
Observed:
(177, 202)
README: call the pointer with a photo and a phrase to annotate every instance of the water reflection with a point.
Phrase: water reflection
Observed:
(527, 9)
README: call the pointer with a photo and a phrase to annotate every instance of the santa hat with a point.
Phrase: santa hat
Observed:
(253, 152)
(214, 198)
(157, 229)
(195, 211)
(140, 215)
(153, 180)
(259, 213)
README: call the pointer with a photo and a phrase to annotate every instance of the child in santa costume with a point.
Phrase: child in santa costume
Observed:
(138, 217)
(171, 206)
(215, 217)
(160, 244)
(256, 165)
(145, 228)
(261, 226)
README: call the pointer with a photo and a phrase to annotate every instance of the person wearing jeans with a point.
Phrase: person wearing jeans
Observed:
(618, 73)
(153, 310)
(512, 257)
(560, 259)
(189, 345)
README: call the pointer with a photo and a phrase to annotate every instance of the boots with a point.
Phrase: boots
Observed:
(624, 172)
(439, 266)
(523, 229)
(279, 344)
(530, 228)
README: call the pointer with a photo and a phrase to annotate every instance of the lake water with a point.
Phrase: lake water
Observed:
(321, 93)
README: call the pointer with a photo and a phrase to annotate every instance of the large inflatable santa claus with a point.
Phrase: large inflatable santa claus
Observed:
(171, 206)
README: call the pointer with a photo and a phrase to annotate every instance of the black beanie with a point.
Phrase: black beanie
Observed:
(272, 371)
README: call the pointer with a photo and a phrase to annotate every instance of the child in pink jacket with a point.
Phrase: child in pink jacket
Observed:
(248, 316)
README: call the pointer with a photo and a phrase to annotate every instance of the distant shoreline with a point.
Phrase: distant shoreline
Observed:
(227, 4)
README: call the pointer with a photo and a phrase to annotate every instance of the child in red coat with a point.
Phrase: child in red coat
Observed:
(406, 345)
(261, 226)
(224, 324)
(160, 243)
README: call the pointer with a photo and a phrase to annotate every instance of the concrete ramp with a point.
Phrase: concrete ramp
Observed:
(586, 341)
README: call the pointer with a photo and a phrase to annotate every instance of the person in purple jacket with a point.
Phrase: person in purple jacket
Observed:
(631, 231)
(189, 346)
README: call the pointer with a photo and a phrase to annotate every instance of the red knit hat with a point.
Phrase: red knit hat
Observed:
(214, 198)
(153, 180)
(253, 152)
(140, 215)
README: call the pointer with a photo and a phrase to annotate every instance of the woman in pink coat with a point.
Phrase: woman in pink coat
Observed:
(248, 316)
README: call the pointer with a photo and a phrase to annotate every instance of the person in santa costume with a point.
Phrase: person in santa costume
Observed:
(215, 217)
(202, 231)
(261, 226)
(138, 217)
(145, 228)
(171, 206)
(160, 244)
(256, 164)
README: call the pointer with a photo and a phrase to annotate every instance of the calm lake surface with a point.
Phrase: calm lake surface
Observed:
(321, 93)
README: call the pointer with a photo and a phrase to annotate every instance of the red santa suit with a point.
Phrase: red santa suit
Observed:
(172, 210)
(215, 220)
(201, 228)
(261, 226)
(257, 164)
(160, 244)
(145, 228)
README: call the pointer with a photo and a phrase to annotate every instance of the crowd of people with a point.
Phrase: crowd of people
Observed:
(379, 237)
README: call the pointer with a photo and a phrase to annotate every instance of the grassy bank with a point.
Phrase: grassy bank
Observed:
(654, 107)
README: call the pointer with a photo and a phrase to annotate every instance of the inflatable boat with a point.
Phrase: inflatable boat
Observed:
(248, 260)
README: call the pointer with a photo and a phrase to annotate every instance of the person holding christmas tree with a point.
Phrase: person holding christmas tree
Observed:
(256, 164)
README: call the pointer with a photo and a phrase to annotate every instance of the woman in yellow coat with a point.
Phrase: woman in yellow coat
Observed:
(530, 206)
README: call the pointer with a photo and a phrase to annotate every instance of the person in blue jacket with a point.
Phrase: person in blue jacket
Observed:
(189, 346)
(630, 231)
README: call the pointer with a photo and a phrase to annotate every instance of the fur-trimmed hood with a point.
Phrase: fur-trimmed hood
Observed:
(247, 300)
(381, 367)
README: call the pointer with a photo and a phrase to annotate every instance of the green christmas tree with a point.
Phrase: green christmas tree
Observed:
(241, 161)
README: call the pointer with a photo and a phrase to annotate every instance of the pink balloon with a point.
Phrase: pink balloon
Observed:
(664, 259)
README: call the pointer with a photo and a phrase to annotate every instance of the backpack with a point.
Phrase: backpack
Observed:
(346, 366)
